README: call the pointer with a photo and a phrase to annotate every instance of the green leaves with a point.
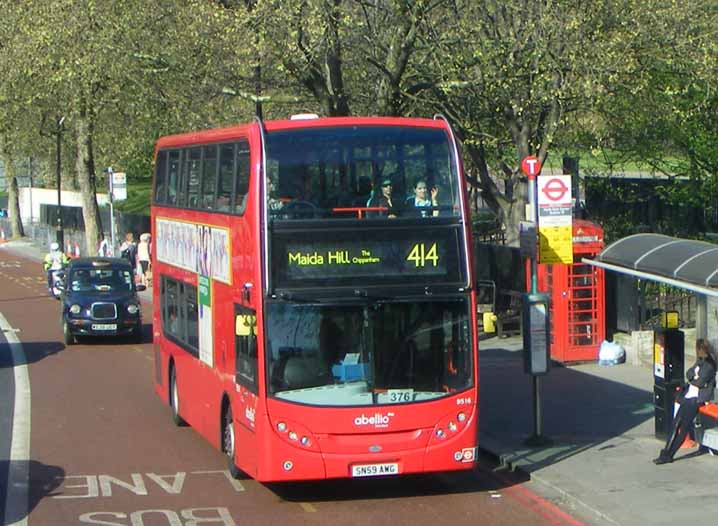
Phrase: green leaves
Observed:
(513, 77)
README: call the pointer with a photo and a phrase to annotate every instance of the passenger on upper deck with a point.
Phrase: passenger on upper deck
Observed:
(383, 199)
(420, 203)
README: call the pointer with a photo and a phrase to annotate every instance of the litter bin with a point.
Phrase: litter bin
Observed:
(668, 356)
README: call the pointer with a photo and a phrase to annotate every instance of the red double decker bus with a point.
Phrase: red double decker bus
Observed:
(314, 315)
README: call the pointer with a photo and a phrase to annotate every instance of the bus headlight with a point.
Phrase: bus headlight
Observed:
(75, 309)
(296, 434)
(450, 426)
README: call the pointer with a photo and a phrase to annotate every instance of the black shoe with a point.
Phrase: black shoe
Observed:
(662, 460)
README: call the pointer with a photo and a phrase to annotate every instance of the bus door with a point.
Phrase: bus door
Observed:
(244, 409)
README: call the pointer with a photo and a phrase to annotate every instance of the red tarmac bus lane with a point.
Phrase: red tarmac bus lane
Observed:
(103, 449)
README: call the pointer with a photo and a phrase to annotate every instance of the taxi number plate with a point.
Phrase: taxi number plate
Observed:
(375, 470)
(104, 326)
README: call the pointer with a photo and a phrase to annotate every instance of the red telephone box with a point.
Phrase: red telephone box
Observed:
(577, 291)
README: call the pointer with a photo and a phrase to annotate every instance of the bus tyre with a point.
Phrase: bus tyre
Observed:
(175, 400)
(229, 443)
(67, 336)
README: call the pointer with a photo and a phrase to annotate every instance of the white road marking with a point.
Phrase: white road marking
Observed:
(16, 499)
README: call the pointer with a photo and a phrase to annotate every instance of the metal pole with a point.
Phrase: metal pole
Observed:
(58, 166)
(538, 432)
(112, 215)
(32, 220)
(258, 86)
(537, 439)
(533, 212)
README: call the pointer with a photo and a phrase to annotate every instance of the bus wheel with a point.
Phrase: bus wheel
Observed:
(174, 399)
(229, 444)
(67, 336)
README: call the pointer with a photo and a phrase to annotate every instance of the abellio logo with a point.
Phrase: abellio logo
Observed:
(376, 420)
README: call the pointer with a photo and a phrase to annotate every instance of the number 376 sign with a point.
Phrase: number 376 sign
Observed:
(555, 210)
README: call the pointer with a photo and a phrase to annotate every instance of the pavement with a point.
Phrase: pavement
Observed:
(600, 424)
(31, 249)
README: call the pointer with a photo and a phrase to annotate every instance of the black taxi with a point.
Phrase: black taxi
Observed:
(99, 298)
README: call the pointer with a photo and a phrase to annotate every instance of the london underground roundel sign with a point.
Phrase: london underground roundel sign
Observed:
(531, 166)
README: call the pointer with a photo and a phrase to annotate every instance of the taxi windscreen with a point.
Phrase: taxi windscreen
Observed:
(100, 280)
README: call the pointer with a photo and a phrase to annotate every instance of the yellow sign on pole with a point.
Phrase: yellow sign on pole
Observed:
(556, 244)
(555, 219)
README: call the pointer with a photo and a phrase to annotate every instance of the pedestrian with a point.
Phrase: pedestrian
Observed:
(104, 249)
(699, 390)
(128, 250)
(144, 252)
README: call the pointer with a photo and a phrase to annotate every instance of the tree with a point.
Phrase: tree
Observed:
(338, 57)
(509, 76)
(673, 62)
(13, 203)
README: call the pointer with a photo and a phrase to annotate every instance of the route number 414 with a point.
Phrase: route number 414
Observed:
(421, 255)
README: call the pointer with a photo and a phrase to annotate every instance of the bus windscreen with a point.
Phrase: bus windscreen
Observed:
(385, 352)
(360, 171)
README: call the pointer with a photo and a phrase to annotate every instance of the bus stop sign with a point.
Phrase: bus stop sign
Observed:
(530, 166)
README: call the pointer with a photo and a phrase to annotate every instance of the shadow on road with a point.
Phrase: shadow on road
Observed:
(480, 480)
(34, 352)
(44, 480)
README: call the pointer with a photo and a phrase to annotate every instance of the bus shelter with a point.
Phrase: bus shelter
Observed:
(684, 263)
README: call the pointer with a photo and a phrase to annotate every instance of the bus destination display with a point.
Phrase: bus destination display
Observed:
(336, 261)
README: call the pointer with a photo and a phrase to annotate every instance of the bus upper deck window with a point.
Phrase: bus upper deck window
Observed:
(161, 178)
(243, 169)
(226, 178)
(173, 176)
(209, 176)
(192, 176)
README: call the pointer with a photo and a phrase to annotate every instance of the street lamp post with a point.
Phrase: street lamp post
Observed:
(58, 168)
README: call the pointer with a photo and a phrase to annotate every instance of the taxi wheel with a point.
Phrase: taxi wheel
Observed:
(137, 333)
(229, 443)
(67, 336)
(174, 399)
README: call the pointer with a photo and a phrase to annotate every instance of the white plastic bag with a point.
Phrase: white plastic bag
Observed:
(611, 353)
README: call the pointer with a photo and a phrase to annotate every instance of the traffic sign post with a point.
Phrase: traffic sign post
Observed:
(535, 312)
(118, 192)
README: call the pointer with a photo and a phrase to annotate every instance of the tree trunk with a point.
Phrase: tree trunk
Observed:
(514, 211)
(13, 198)
(400, 50)
(85, 170)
